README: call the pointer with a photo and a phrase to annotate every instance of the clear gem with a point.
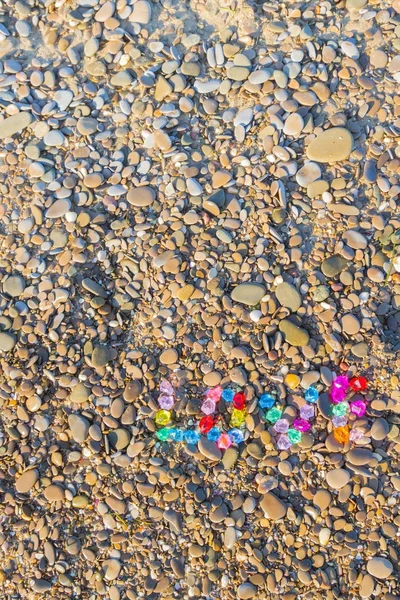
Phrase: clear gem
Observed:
(339, 421)
(208, 407)
(166, 402)
(284, 442)
(307, 412)
(281, 426)
(166, 388)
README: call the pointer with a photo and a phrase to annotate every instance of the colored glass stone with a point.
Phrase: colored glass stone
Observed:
(176, 435)
(166, 402)
(307, 412)
(294, 435)
(356, 434)
(163, 434)
(228, 395)
(166, 388)
(163, 417)
(224, 441)
(267, 401)
(358, 384)
(341, 434)
(341, 381)
(339, 421)
(337, 395)
(358, 408)
(339, 410)
(273, 414)
(214, 434)
(191, 437)
(208, 407)
(301, 425)
(311, 395)
(283, 442)
(281, 426)
(237, 417)
(236, 436)
(205, 424)
(239, 400)
(214, 394)
(292, 381)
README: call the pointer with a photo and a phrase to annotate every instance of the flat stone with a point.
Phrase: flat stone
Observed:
(350, 324)
(15, 124)
(105, 12)
(246, 590)
(367, 586)
(360, 349)
(310, 172)
(63, 98)
(169, 357)
(141, 13)
(174, 518)
(58, 209)
(41, 586)
(209, 449)
(379, 567)
(93, 180)
(317, 188)
(273, 507)
(294, 335)
(293, 125)
(288, 296)
(80, 393)
(101, 356)
(330, 146)
(230, 536)
(87, 125)
(79, 427)
(121, 79)
(119, 438)
(94, 288)
(337, 478)
(322, 499)
(141, 196)
(360, 456)
(355, 239)
(238, 73)
(230, 457)
(111, 568)
(333, 265)
(14, 286)
(380, 429)
(54, 138)
(248, 293)
(7, 341)
(27, 480)
(132, 391)
(54, 493)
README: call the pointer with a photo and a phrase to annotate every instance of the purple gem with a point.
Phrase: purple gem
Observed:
(166, 388)
(339, 421)
(283, 442)
(166, 402)
(301, 425)
(341, 382)
(281, 426)
(337, 395)
(356, 434)
(358, 408)
(208, 407)
(307, 411)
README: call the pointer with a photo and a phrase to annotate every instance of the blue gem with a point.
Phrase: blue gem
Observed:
(236, 435)
(228, 394)
(311, 395)
(214, 434)
(267, 401)
(191, 437)
(176, 435)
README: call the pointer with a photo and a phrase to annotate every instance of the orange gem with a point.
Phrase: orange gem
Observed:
(292, 381)
(341, 434)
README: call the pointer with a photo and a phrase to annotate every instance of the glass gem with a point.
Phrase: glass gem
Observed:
(163, 417)
(281, 426)
(341, 409)
(341, 434)
(283, 442)
(267, 401)
(236, 436)
(214, 394)
(342, 381)
(311, 395)
(166, 402)
(239, 400)
(307, 412)
(339, 421)
(208, 407)
(224, 441)
(191, 437)
(358, 408)
(292, 381)
(273, 414)
(337, 395)
(294, 435)
(238, 417)
(228, 395)
(214, 434)
(356, 434)
(358, 384)
(163, 434)
(205, 424)
(166, 388)
(176, 435)
(301, 425)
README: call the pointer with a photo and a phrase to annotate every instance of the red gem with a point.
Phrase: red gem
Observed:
(358, 384)
(239, 401)
(206, 423)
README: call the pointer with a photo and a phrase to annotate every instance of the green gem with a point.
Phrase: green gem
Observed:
(341, 409)
(294, 436)
(273, 414)
(163, 434)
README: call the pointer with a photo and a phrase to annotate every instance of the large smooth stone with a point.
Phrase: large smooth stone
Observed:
(331, 146)
(248, 293)
(15, 124)
(294, 335)
(288, 296)
(273, 507)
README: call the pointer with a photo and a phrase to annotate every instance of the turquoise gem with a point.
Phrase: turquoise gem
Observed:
(273, 414)
(163, 434)
(341, 409)
(294, 436)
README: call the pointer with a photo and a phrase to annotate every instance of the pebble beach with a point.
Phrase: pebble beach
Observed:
(199, 300)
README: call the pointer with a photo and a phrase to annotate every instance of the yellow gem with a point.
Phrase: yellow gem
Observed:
(237, 417)
(163, 417)
(292, 381)
(341, 434)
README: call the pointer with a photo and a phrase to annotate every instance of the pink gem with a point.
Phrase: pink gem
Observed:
(281, 426)
(166, 388)
(337, 395)
(341, 382)
(214, 394)
(224, 441)
(358, 408)
(307, 411)
(166, 402)
(356, 434)
(283, 442)
(339, 421)
(301, 425)
(208, 407)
